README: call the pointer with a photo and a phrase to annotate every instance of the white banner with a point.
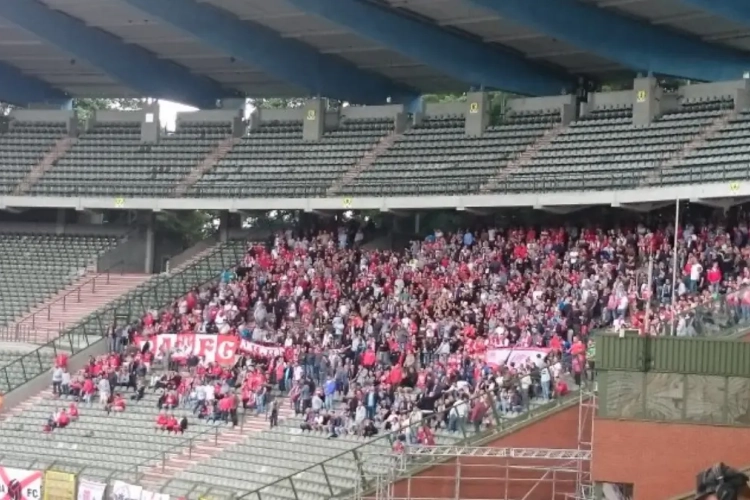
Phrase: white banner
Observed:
(220, 349)
(519, 356)
(90, 490)
(125, 491)
(20, 484)
(150, 495)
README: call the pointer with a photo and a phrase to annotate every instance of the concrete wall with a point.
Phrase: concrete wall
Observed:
(281, 115)
(706, 90)
(43, 381)
(444, 108)
(540, 103)
(610, 99)
(662, 459)
(106, 116)
(74, 229)
(208, 116)
(471, 478)
(387, 111)
(129, 256)
(42, 115)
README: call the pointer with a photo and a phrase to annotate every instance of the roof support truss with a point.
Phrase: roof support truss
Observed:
(635, 44)
(472, 62)
(285, 58)
(129, 64)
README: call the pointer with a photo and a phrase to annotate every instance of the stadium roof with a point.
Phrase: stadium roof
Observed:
(363, 51)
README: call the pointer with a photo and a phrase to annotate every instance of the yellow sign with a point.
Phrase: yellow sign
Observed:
(641, 96)
(347, 202)
(474, 108)
(119, 202)
(59, 486)
(310, 114)
(734, 187)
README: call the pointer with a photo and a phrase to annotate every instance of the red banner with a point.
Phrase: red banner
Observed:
(222, 349)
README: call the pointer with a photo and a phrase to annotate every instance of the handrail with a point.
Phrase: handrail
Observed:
(77, 290)
(691, 494)
(492, 408)
(30, 365)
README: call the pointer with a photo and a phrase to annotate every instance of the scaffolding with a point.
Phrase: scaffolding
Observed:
(586, 417)
(476, 473)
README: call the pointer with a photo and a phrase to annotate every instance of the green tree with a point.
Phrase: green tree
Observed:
(498, 102)
(278, 103)
(85, 107)
(188, 227)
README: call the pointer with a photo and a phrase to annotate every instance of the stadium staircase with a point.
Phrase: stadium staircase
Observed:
(47, 162)
(220, 151)
(698, 141)
(91, 292)
(211, 446)
(366, 162)
(524, 159)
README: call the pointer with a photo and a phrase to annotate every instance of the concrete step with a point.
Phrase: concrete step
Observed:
(73, 304)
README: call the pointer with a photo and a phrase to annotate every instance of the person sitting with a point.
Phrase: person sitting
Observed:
(183, 424)
(118, 403)
(172, 424)
(73, 411)
(62, 419)
(161, 421)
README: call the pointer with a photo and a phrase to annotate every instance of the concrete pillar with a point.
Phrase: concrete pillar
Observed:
(477, 113)
(646, 99)
(742, 96)
(72, 126)
(417, 222)
(332, 119)
(314, 121)
(568, 113)
(224, 226)
(238, 127)
(148, 261)
(401, 123)
(150, 127)
(254, 122)
(60, 221)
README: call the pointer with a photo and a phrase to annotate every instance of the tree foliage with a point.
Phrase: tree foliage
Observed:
(498, 102)
(187, 227)
(277, 103)
(85, 107)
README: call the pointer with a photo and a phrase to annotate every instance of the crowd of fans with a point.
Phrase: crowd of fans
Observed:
(378, 340)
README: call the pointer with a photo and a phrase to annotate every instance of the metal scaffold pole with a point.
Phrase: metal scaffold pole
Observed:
(586, 417)
(517, 466)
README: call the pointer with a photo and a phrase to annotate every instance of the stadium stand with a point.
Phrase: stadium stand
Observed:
(23, 146)
(437, 157)
(281, 164)
(127, 166)
(246, 303)
(605, 149)
(46, 263)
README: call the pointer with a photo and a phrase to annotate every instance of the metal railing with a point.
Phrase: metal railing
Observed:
(158, 292)
(325, 470)
(72, 296)
(359, 456)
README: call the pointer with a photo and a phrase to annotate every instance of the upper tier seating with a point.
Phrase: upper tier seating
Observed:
(22, 147)
(274, 161)
(437, 157)
(604, 150)
(34, 267)
(111, 160)
(723, 157)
